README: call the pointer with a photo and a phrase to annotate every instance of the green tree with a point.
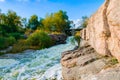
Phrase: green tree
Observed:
(24, 22)
(10, 22)
(57, 22)
(41, 26)
(85, 21)
(48, 22)
(0, 15)
(13, 21)
(61, 21)
(33, 22)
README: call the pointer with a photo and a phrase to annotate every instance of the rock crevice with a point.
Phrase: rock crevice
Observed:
(106, 26)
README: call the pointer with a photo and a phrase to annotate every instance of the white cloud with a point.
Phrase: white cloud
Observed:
(2, 0)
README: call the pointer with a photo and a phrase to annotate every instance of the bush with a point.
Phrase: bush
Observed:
(11, 40)
(3, 42)
(6, 42)
(77, 38)
(113, 61)
(40, 38)
(15, 35)
(20, 46)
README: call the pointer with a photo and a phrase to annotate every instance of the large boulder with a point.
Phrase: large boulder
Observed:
(58, 38)
(103, 30)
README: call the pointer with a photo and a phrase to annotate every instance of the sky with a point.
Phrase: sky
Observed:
(75, 8)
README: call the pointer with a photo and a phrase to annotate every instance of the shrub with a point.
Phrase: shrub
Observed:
(15, 35)
(11, 40)
(3, 42)
(113, 61)
(20, 46)
(77, 38)
(39, 38)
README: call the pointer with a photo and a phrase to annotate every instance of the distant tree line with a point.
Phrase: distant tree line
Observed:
(13, 27)
(11, 22)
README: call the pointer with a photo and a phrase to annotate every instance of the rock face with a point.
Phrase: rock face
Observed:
(100, 37)
(76, 63)
(86, 64)
(103, 30)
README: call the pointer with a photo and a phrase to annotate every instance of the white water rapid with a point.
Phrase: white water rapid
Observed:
(34, 65)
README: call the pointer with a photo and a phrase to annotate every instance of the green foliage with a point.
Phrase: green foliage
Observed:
(113, 61)
(56, 22)
(11, 40)
(85, 21)
(11, 21)
(41, 26)
(3, 43)
(20, 46)
(77, 38)
(40, 38)
(15, 35)
(13, 28)
(24, 22)
(33, 22)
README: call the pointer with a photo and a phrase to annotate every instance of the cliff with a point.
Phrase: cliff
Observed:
(103, 30)
(100, 38)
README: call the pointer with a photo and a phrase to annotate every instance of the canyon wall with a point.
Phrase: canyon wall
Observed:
(103, 30)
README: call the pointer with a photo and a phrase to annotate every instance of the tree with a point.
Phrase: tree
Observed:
(61, 21)
(41, 26)
(48, 23)
(33, 22)
(57, 22)
(0, 15)
(24, 22)
(85, 21)
(11, 21)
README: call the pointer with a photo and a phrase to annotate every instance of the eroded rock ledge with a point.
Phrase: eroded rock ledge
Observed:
(86, 64)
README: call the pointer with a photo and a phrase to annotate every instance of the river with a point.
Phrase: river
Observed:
(34, 65)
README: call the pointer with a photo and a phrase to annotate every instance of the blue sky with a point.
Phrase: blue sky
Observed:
(74, 8)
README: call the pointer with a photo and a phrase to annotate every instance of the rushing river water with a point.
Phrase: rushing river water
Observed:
(34, 65)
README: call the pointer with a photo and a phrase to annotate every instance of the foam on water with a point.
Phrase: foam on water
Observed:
(34, 65)
(7, 62)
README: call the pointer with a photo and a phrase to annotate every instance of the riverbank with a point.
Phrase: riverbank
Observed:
(22, 45)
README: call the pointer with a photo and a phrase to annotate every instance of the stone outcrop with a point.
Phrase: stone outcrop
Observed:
(103, 30)
(100, 38)
(86, 64)
(58, 38)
